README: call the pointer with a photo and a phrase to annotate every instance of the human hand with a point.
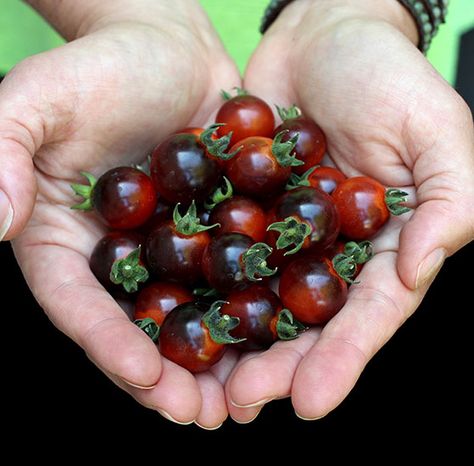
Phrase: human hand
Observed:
(350, 65)
(136, 73)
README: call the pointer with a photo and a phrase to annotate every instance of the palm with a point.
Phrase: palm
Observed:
(103, 112)
(362, 83)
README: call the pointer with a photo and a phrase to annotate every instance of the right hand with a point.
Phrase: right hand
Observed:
(103, 100)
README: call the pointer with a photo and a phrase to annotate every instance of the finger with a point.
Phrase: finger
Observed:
(213, 407)
(375, 309)
(20, 137)
(443, 222)
(72, 298)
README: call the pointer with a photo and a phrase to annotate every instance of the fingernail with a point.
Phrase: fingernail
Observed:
(249, 421)
(208, 428)
(141, 387)
(172, 419)
(308, 418)
(253, 405)
(6, 214)
(430, 266)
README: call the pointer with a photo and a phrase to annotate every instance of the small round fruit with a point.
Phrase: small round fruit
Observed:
(158, 299)
(326, 179)
(313, 290)
(245, 116)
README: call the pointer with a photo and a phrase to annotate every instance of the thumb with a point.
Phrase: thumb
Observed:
(20, 136)
(443, 222)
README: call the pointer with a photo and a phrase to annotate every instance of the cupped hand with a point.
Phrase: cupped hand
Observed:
(387, 114)
(101, 101)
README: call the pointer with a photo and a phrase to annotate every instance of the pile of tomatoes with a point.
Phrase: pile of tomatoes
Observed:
(225, 217)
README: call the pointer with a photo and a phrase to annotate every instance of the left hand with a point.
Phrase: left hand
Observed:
(387, 114)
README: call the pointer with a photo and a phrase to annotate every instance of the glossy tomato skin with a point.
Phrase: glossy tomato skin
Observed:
(174, 256)
(158, 299)
(361, 205)
(163, 211)
(326, 179)
(185, 340)
(312, 290)
(124, 197)
(311, 145)
(240, 215)
(257, 307)
(315, 208)
(182, 171)
(245, 116)
(222, 262)
(113, 246)
(254, 171)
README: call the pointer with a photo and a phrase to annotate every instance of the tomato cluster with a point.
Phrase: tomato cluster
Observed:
(201, 241)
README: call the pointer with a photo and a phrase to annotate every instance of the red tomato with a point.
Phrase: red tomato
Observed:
(360, 202)
(326, 179)
(158, 299)
(240, 215)
(312, 290)
(245, 116)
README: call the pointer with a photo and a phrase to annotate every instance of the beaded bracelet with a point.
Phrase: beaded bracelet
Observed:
(428, 15)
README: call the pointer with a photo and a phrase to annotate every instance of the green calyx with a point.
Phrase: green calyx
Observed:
(287, 327)
(85, 191)
(129, 272)
(189, 224)
(393, 198)
(220, 325)
(297, 181)
(217, 147)
(220, 195)
(239, 92)
(255, 262)
(292, 232)
(288, 113)
(150, 327)
(282, 150)
(345, 267)
(345, 264)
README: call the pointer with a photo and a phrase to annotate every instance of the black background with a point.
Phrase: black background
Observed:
(414, 393)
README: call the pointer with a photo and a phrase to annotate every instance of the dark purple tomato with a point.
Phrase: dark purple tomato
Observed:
(175, 256)
(158, 299)
(311, 145)
(112, 247)
(326, 179)
(245, 116)
(182, 171)
(163, 211)
(240, 215)
(312, 289)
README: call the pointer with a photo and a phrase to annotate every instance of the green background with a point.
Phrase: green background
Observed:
(23, 32)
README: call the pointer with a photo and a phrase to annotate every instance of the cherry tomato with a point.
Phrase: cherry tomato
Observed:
(245, 116)
(326, 179)
(161, 213)
(124, 197)
(240, 215)
(311, 145)
(261, 320)
(361, 205)
(195, 336)
(224, 264)
(182, 171)
(113, 247)
(311, 207)
(255, 171)
(313, 290)
(158, 299)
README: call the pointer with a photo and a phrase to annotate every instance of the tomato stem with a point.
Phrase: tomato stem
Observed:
(288, 113)
(297, 181)
(255, 262)
(282, 150)
(292, 231)
(189, 224)
(85, 191)
(287, 327)
(393, 198)
(220, 195)
(128, 271)
(361, 252)
(217, 147)
(238, 90)
(150, 327)
(220, 325)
